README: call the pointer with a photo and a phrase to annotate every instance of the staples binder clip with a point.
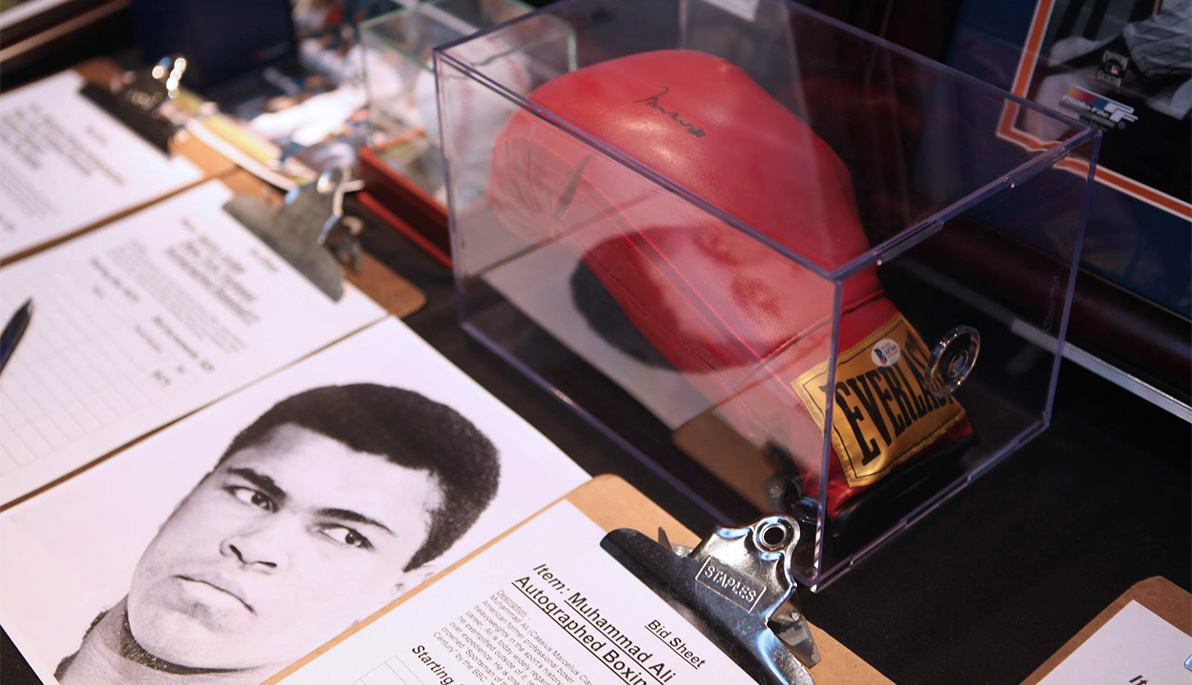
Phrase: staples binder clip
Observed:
(141, 100)
(309, 230)
(734, 587)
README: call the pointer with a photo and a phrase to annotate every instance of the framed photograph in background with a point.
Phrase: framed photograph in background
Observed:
(1126, 67)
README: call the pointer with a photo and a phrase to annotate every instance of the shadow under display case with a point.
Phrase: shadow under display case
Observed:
(751, 244)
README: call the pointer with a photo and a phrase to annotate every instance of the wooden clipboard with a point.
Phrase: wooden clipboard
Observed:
(1163, 597)
(612, 503)
(210, 163)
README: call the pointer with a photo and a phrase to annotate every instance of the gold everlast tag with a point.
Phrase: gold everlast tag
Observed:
(883, 413)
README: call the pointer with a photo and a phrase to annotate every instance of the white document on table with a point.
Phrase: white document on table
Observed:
(543, 605)
(76, 550)
(66, 164)
(1135, 647)
(144, 321)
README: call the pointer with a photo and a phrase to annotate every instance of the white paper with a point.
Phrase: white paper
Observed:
(1135, 647)
(144, 321)
(66, 164)
(70, 552)
(510, 616)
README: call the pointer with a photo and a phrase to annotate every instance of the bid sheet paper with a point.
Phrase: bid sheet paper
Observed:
(544, 605)
(144, 321)
(67, 164)
(1135, 647)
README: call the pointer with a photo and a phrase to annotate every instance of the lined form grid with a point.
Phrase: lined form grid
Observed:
(392, 672)
(78, 368)
(201, 323)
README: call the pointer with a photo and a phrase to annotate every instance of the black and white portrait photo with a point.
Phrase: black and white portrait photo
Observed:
(324, 504)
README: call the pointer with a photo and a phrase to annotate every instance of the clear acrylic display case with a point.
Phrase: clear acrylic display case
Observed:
(752, 245)
(401, 81)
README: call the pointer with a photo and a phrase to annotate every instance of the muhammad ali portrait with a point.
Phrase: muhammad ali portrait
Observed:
(324, 509)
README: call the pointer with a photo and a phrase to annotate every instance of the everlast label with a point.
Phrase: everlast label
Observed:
(883, 413)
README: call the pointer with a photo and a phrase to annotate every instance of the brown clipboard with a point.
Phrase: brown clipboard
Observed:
(611, 503)
(211, 164)
(1167, 600)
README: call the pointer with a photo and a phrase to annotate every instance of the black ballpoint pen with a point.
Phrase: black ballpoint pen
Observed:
(13, 331)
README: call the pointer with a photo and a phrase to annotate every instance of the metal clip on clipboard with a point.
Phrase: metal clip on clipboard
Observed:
(734, 587)
(309, 230)
(141, 99)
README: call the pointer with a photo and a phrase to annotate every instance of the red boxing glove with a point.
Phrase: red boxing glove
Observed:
(748, 327)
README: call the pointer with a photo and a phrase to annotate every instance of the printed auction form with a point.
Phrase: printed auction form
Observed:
(543, 605)
(144, 321)
(67, 164)
(1135, 647)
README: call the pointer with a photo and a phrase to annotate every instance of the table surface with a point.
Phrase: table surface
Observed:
(982, 590)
